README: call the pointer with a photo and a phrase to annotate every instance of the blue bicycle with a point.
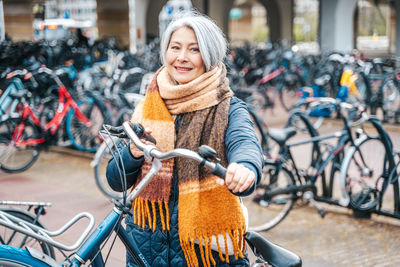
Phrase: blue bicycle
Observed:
(90, 250)
(7, 103)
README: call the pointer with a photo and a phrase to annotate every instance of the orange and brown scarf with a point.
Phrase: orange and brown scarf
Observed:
(207, 212)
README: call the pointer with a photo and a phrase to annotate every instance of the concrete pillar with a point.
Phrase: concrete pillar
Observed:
(336, 25)
(219, 11)
(286, 19)
(397, 7)
(18, 19)
(2, 28)
(141, 10)
(279, 19)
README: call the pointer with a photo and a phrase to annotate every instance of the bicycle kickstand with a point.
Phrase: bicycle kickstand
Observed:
(308, 195)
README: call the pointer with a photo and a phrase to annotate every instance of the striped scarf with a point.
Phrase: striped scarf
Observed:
(208, 213)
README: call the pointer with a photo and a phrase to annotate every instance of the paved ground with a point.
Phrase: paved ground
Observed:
(67, 180)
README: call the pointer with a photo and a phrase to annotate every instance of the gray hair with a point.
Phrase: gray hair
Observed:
(211, 40)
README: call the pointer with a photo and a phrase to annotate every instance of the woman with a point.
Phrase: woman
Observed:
(186, 216)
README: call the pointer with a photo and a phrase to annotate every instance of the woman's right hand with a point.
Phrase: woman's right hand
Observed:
(136, 152)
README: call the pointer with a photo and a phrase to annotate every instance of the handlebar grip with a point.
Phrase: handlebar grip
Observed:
(219, 171)
(141, 133)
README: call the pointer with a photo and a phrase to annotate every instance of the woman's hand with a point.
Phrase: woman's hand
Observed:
(238, 178)
(136, 152)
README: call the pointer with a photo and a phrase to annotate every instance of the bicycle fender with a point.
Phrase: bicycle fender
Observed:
(42, 257)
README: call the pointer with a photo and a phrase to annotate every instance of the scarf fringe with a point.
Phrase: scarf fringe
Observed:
(144, 213)
(188, 247)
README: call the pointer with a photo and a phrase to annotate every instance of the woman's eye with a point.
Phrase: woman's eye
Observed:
(195, 49)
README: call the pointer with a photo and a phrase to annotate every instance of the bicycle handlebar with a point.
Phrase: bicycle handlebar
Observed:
(156, 156)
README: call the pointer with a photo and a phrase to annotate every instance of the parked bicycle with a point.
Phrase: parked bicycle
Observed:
(284, 183)
(369, 175)
(22, 137)
(90, 250)
(31, 214)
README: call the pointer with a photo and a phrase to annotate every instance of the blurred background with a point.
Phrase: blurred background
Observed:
(285, 56)
(314, 25)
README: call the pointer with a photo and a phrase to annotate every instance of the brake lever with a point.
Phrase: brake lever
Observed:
(115, 131)
(119, 131)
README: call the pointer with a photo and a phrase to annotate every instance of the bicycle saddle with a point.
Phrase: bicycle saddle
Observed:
(282, 135)
(275, 255)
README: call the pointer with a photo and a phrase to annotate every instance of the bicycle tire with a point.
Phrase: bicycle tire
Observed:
(12, 238)
(391, 100)
(266, 213)
(259, 130)
(103, 155)
(125, 114)
(300, 120)
(16, 257)
(289, 97)
(362, 173)
(86, 138)
(15, 158)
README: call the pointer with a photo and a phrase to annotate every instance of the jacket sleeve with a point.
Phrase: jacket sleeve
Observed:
(123, 157)
(241, 141)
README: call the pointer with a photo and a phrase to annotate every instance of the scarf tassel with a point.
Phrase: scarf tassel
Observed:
(188, 247)
(144, 213)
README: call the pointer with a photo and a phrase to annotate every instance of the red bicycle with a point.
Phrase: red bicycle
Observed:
(24, 135)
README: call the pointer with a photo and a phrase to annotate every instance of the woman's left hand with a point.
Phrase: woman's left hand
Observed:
(238, 178)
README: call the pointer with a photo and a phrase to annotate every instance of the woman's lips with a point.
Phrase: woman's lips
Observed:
(183, 69)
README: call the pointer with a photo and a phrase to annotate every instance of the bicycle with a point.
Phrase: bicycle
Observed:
(7, 104)
(283, 182)
(22, 137)
(90, 250)
(370, 181)
(13, 238)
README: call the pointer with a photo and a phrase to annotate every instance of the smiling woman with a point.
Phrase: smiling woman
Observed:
(189, 216)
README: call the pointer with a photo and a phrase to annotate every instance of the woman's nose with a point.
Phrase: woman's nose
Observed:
(182, 55)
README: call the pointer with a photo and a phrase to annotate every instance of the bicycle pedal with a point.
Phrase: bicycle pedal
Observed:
(258, 199)
(310, 197)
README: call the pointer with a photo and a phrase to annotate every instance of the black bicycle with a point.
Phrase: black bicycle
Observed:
(370, 174)
(284, 182)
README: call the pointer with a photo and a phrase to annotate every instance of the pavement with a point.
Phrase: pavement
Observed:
(65, 178)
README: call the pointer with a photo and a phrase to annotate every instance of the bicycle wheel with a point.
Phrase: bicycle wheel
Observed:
(391, 100)
(259, 129)
(363, 172)
(13, 157)
(14, 257)
(103, 155)
(305, 130)
(83, 137)
(266, 212)
(289, 96)
(16, 239)
(124, 115)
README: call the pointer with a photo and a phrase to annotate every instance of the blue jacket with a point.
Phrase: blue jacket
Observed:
(163, 248)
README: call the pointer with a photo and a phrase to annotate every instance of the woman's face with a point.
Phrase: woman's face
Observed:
(183, 58)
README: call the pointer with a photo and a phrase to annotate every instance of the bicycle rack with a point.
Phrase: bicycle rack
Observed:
(44, 235)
